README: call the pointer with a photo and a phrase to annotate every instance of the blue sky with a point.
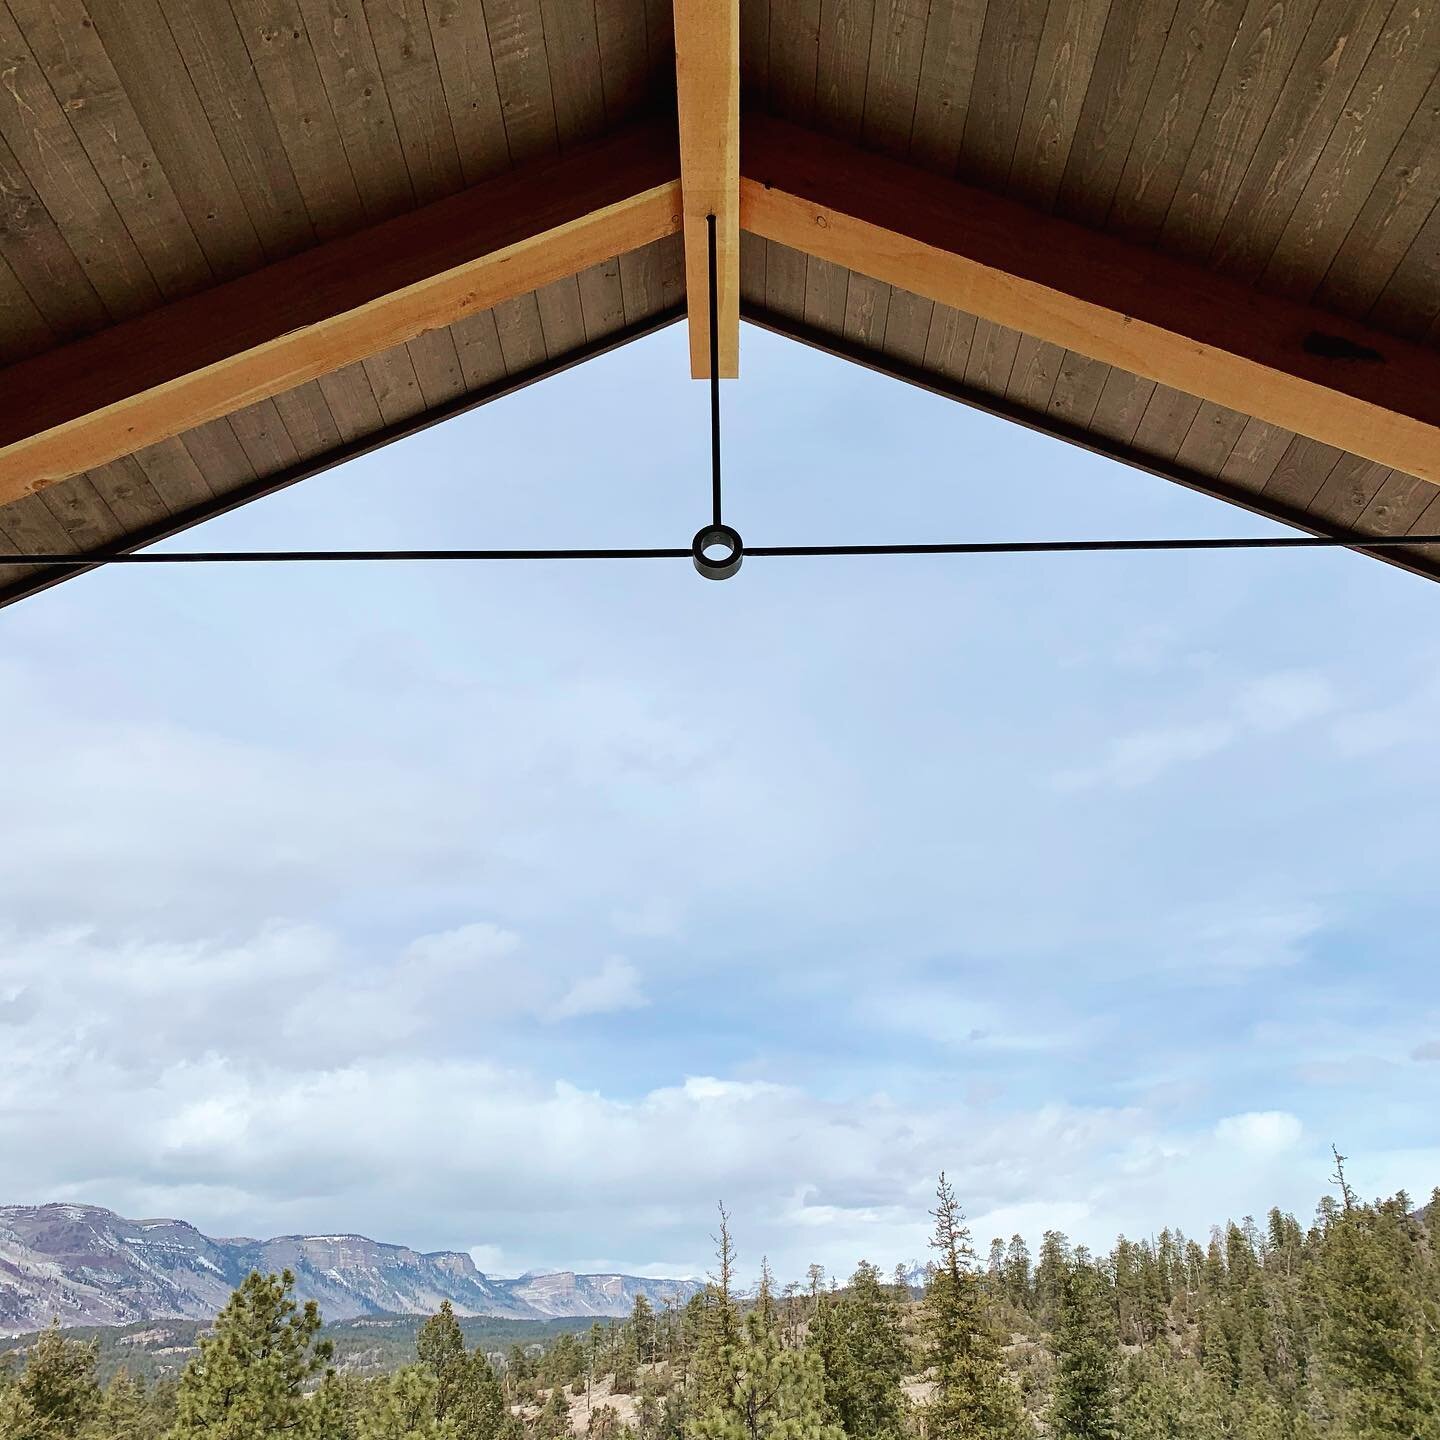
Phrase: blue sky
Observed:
(530, 910)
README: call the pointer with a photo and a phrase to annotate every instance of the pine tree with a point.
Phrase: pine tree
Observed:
(554, 1421)
(773, 1393)
(124, 1413)
(974, 1399)
(467, 1391)
(1373, 1326)
(56, 1395)
(861, 1346)
(402, 1406)
(1083, 1405)
(718, 1342)
(247, 1383)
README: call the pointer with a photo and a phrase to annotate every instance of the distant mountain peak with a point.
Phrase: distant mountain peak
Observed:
(89, 1266)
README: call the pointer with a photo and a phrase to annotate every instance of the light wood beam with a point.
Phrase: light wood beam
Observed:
(205, 356)
(1167, 320)
(707, 89)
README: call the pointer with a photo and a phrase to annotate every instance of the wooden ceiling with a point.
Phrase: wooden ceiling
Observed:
(154, 150)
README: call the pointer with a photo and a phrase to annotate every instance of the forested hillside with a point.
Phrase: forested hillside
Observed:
(1278, 1331)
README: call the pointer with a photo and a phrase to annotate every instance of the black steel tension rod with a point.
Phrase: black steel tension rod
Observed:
(717, 548)
(963, 547)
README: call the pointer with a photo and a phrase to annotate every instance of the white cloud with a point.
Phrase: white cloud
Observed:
(616, 986)
(1429, 1050)
(1243, 940)
(1269, 705)
(1145, 755)
(1260, 1132)
(1279, 702)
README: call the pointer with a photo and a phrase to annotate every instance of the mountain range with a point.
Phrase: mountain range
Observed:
(88, 1266)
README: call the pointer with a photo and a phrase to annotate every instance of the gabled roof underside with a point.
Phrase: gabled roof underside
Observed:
(150, 149)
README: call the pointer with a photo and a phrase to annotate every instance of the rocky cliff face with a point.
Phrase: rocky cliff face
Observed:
(89, 1266)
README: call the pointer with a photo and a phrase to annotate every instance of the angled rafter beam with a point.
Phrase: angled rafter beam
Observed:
(212, 353)
(707, 91)
(1308, 371)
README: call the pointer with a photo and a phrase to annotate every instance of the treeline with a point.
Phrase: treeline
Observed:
(1280, 1332)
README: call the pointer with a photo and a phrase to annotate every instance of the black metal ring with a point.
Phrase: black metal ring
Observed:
(726, 565)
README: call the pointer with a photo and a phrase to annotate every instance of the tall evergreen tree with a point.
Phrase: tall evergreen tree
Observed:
(773, 1393)
(859, 1339)
(1373, 1327)
(974, 1399)
(1083, 1406)
(247, 1382)
(56, 1395)
(402, 1406)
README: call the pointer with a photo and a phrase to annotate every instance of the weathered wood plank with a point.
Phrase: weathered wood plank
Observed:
(219, 69)
(562, 316)
(1004, 65)
(306, 415)
(62, 37)
(947, 76)
(826, 288)
(34, 250)
(1340, 39)
(1078, 386)
(842, 66)
(40, 137)
(572, 49)
(785, 281)
(1348, 490)
(794, 59)
(1303, 469)
(275, 38)
(345, 54)
(1120, 83)
(947, 346)
(522, 338)
(1245, 96)
(351, 401)
(174, 475)
(991, 358)
(1257, 452)
(467, 72)
(625, 75)
(1394, 212)
(1064, 61)
(86, 519)
(477, 343)
(1403, 64)
(1033, 374)
(522, 77)
(128, 494)
(867, 306)
(150, 72)
(405, 50)
(1200, 36)
(602, 300)
(897, 50)
(24, 331)
(1212, 436)
(754, 48)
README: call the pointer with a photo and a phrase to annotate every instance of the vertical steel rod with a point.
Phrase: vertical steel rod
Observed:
(714, 374)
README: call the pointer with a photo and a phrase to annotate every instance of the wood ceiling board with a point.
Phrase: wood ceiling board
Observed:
(209, 354)
(707, 92)
(1174, 323)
